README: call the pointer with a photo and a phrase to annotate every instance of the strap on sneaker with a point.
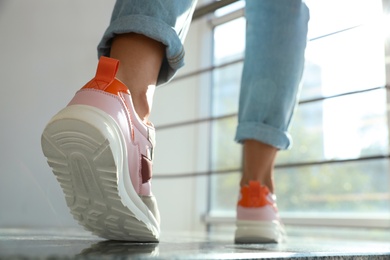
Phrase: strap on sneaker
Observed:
(105, 79)
(106, 71)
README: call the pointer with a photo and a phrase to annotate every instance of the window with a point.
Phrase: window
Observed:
(339, 164)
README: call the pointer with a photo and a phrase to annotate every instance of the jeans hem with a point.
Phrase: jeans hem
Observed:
(263, 133)
(152, 28)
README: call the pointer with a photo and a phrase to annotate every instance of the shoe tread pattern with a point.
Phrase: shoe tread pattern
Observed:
(83, 163)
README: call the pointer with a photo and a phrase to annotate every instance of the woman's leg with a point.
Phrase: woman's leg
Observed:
(164, 21)
(146, 37)
(274, 59)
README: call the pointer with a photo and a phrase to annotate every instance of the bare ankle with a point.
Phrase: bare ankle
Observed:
(140, 63)
(258, 165)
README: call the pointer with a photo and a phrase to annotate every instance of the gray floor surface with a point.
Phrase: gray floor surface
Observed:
(75, 243)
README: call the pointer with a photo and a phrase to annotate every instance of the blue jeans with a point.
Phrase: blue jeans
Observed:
(276, 39)
(274, 56)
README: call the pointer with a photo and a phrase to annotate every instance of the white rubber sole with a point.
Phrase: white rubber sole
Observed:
(259, 232)
(86, 151)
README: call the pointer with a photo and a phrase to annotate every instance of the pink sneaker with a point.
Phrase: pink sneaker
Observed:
(257, 216)
(101, 154)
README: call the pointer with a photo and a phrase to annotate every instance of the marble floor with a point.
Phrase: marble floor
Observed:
(75, 243)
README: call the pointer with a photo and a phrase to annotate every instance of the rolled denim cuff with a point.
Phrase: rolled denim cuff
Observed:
(263, 133)
(154, 29)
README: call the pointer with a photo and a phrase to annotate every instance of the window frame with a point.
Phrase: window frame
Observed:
(372, 221)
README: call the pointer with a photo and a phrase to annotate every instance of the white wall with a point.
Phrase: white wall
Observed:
(47, 52)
